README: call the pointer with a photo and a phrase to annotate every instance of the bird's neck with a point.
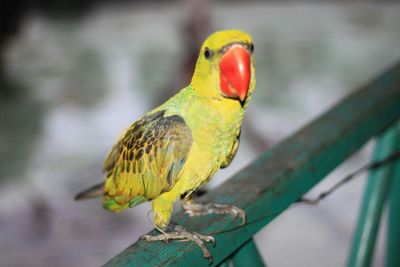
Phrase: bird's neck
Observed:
(215, 110)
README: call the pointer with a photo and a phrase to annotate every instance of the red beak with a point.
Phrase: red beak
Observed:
(235, 72)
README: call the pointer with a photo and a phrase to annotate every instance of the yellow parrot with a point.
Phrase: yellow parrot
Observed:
(179, 146)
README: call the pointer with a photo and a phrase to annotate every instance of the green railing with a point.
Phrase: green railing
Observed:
(283, 174)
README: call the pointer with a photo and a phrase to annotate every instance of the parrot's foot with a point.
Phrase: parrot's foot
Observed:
(197, 209)
(180, 233)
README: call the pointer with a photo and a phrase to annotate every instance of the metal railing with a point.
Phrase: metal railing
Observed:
(283, 174)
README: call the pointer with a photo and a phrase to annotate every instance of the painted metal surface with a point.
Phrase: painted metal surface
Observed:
(247, 255)
(279, 177)
(224, 264)
(393, 230)
(375, 195)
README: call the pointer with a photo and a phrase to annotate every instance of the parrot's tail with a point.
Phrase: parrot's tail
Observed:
(94, 191)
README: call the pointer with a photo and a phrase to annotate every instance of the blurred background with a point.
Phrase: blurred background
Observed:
(74, 74)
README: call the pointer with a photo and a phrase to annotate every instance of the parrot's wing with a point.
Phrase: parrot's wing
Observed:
(147, 160)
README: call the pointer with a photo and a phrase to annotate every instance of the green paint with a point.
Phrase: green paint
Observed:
(375, 196)
(279, 177)
(247, 255)
(393, 231)
(224, 264)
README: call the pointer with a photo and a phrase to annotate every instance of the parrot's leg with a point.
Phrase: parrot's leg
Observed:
(181, 234)
(162, 210)
(196, 209)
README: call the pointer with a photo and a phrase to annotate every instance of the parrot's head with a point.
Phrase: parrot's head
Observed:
(224, 68)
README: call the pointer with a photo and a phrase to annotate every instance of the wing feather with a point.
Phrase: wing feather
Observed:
(147, 160)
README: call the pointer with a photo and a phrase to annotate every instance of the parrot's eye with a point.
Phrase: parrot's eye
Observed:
(207, 53)
(251, 47)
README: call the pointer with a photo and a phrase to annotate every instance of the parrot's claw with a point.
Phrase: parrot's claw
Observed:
(181, 234)
(197, 209)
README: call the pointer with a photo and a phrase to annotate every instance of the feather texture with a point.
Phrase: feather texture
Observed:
(146, 161)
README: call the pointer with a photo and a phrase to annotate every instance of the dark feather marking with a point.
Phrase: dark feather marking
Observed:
(123, 166)
(133, 166)
(129, 145)
(140, 167)
(139, 154)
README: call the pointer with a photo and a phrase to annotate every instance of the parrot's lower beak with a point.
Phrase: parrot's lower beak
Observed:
(235, 72)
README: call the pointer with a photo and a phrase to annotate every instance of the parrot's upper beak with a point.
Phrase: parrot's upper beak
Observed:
(235, 71)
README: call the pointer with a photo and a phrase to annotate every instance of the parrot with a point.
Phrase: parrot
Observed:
(176, 148)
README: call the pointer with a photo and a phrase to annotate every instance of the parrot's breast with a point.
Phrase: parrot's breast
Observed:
(214, 135)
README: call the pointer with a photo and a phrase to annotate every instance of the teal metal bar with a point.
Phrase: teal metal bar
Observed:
(374, 199)
(224, 264)
(278, 177)
(247, 255)
(393, 230)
